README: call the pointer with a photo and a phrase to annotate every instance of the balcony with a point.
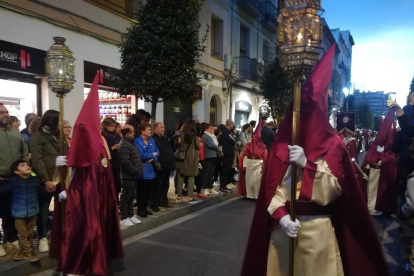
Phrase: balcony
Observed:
(269, 18)
(124, 8)
(248, 71)
(252, 7)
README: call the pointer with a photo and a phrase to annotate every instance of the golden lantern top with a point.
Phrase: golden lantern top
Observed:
(60, 67)
(299, 35)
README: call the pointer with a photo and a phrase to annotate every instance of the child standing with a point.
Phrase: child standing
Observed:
(24, 190)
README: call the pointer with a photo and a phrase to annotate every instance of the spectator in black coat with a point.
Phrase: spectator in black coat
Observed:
(136, 119)
(227, 142)
(108, 127)
(267, 136)
(131, 170)
(167, 159)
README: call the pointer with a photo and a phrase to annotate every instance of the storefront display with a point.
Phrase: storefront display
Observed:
(242, 113)
(111, 103)
(20, 68)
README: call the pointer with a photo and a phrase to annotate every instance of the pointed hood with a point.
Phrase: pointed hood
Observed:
(256, 148)
(87, 146)
(384, 139)
(257, 134)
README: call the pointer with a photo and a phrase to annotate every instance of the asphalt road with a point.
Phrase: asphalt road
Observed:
(210, 244)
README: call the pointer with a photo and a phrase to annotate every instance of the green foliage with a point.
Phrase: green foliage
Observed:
(276, 88)
(365, 116)
(158, 55)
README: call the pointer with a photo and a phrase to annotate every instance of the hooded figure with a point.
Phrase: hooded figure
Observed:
(380, 165)
(91, 236)
(250, 165)
(335, 235)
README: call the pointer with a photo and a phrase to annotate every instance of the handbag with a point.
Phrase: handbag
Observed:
(220, 153)
(180, 155)
(156, 164)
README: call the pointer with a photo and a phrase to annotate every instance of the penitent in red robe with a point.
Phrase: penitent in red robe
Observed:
(360, 251)
(91, 236)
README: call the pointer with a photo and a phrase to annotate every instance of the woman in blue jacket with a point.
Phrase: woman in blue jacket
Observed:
(148, 152)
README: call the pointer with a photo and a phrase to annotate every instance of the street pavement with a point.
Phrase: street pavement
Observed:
(212, 242)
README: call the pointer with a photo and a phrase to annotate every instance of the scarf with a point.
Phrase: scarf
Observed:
(212, 136)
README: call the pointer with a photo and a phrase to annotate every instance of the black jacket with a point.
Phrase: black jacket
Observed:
(134, 121)
(227, 141)
(267, 137)
(129, 159)
(167, 157)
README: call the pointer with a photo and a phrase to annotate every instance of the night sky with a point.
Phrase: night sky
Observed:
(383, 31)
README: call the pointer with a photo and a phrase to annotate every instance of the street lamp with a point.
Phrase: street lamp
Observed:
(60, 72)
(299, 41)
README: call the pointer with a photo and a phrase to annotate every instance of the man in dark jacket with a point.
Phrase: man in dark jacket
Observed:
(228, 143)
(167, 160)
(131, 171)
(267, 135)
(136, 119)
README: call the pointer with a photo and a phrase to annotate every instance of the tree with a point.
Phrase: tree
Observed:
(276, 88)
(365, 116)
(158, 55)
(412, 85)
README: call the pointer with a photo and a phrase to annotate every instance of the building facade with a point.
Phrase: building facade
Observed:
(92, 29)
(377, 100)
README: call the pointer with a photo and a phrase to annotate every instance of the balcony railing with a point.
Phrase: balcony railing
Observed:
(247, 69)
(122, 7)
(253, 7)
(269, 18)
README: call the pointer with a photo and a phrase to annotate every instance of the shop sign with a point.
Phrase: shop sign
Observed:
(107, 75)
(243, 106)
(15, 57)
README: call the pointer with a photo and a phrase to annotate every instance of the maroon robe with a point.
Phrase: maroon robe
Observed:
(91, 236)
(360, 250)
(387, 185)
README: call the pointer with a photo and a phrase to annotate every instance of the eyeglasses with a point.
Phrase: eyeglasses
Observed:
(3, 112)
(68, 127)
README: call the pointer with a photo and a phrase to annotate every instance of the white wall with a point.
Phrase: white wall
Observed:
(37, 34)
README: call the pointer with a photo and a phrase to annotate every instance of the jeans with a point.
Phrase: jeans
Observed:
(126, 204)
(181, 182)
(42, 218)
(208, 173)
(9, 229)
(25, 227)
(144, 193)
(225, 175)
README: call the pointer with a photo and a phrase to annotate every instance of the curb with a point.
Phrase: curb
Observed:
(25, 268)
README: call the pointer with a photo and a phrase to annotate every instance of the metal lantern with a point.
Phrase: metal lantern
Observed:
(60, 67)
(299, 35)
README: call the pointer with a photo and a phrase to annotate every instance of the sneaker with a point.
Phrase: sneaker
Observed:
(230, 186)
(142, 214)
(213, 192)
(148, 212)
(14, 244)
(178, 199)
(2, 251)
(126, 222)
(20, 256)
(43, 245)
(31, 257)
(216, 184)
(201, 195)
(134, 220)
(206, 192)
(192, 200)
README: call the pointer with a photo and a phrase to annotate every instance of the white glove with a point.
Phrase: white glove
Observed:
(291, 228)
(346, 141)
(62, 196)
(61, 161)
(297, 156)
(380, 149)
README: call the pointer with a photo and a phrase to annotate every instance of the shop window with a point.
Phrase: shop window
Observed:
(216, 37)
(241, 118)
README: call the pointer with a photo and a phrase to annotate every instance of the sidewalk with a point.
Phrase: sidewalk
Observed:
(8, 267)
